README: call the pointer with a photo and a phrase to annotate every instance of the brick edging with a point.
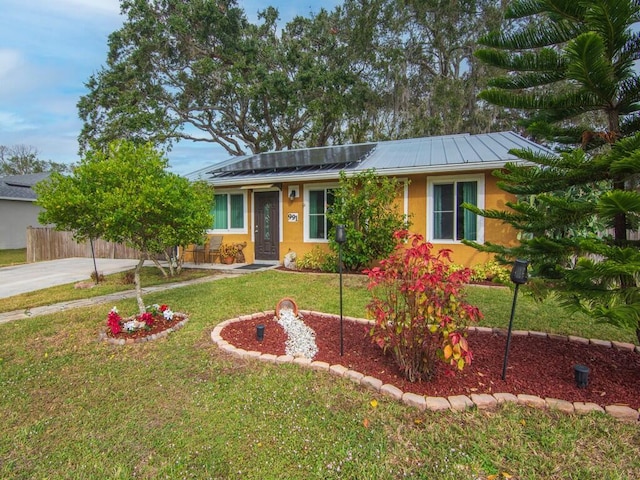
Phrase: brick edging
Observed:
(481, 401)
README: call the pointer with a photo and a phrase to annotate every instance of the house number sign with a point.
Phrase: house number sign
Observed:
(293, 217)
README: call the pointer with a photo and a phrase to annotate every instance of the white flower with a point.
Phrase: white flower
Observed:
(168, 314)
(114, 309)
(130, 326)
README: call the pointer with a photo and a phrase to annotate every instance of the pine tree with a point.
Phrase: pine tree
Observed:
(570, 65)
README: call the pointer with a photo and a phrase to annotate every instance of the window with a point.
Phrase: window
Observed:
(447, 220)
(229, 212)
(318, 200)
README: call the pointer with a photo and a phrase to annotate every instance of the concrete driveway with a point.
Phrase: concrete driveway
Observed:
(35, 276)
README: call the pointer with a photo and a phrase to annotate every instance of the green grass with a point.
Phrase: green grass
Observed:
(72, 407)
(547, 316)
(112, 283)
(13, 256)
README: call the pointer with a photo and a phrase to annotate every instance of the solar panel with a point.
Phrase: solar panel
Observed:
(321, 157)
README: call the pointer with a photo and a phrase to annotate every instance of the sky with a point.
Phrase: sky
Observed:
(48, 50)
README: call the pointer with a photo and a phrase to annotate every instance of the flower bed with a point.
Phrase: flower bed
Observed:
(158, 321)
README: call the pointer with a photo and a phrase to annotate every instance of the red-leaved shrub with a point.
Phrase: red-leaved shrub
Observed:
(419, 309)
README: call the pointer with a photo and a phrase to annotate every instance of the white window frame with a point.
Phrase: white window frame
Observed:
(438, 180)
(314, 187)
(245, 216)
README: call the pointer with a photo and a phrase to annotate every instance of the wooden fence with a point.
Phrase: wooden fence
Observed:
(48, 244)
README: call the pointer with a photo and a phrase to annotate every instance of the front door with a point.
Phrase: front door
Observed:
(267, 226)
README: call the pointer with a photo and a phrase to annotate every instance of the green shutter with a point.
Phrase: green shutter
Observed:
(237, 210)
(467, 193)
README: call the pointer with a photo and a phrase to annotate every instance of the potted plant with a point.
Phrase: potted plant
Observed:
(228, 252)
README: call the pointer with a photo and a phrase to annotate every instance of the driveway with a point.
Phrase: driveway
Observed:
(18, 279)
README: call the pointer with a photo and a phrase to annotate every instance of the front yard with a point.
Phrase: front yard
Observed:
(72, 407)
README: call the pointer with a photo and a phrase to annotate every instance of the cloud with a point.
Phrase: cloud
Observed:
(10, 122)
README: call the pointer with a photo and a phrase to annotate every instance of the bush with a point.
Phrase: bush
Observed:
(488, 272)
(128, 278)
(367, 205)
(318, 259)
(97, 277)
(418, 307)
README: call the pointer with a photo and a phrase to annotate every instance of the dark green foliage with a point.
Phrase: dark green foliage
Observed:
(381, 69)
(367, 205)
(571, 65)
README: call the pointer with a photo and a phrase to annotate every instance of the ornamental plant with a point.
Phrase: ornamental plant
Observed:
(419, 309)
(143, 321)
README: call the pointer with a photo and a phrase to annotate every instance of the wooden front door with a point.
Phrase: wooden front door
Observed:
(267, 226)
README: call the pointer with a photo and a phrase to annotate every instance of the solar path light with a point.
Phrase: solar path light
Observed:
(519, 277)
(341, 237)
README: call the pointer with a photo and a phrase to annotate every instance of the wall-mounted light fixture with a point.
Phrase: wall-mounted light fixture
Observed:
(294, 192)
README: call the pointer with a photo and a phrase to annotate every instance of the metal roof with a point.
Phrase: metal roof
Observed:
(18, 187)
(448, 153)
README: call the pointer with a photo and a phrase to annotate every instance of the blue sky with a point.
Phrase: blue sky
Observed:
(48, 50)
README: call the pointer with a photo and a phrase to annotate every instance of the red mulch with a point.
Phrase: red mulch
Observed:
(159, 325)
(536, 366)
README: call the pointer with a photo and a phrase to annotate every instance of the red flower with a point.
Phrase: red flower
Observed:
(164, 307)
(147, 318)
(113, 322)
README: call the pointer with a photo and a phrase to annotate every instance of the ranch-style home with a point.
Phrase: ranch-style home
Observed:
(276, 202)
(18, 210)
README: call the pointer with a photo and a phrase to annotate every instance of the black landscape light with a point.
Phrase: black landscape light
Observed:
(341, 237)
(581, 375)
(260, 332)
(519, 277)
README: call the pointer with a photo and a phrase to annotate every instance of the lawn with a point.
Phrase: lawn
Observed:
(13, 256)
(179, 408)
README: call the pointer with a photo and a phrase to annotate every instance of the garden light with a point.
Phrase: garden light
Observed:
(260, 332)
(341, 237)
(519, 277)
(582, 375)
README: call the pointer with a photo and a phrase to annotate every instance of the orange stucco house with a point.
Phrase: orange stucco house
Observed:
(276, 201)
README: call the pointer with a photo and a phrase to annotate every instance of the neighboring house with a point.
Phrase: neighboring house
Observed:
(17, 208)
(277, 201)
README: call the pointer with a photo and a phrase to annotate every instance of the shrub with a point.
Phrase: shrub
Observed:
(419, 310)
(487, 272)
(318, 259)
(99, 277)
(367, 205)
(128, 278)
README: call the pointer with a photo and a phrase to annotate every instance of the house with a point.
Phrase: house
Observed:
(17, 208)
(276, 201)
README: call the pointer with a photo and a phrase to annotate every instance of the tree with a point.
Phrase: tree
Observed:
(23, 159)
(572, 69)
(125, 194)
(198, 70)
(367, 205)
(367, 70)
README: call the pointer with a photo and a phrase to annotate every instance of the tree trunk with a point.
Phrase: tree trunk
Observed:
(160, 267)
(136, 279)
